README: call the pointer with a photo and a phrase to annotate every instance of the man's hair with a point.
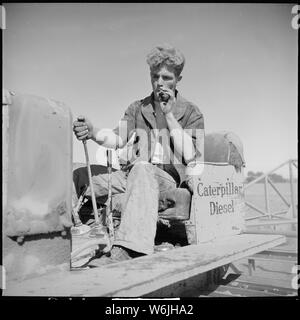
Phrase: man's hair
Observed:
(166, 55)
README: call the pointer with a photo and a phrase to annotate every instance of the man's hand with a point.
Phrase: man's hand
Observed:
(83, 128)
(167, 100)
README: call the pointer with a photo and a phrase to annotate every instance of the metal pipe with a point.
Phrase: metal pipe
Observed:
(272, 222)
(284, 233)
(252, 206)
(292, 190)
(109, 204)
(278, 192)
(274, 214)
(253, 218)
(267, 196)
(294, 163)
(91, 182)
(264, 175)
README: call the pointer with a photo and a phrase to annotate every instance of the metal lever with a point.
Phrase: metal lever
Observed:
(109, 218)
(97, 229)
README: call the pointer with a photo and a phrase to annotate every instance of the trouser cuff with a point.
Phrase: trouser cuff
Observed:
(134, 247)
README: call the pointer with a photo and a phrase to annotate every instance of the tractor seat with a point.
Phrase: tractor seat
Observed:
(174, 205)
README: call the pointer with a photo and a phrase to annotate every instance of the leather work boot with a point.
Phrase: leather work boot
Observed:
(117, 254)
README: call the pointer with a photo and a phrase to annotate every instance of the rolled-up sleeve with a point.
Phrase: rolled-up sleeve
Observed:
(126, 126)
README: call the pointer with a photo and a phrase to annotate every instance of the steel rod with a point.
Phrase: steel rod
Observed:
(266, 195)
(292, 190)
(109, 204)
(294, 163)
(278, 192)
(264, 175)
(91, 182)
(255, 208)
(253, 218)
(284, 233)
(280, 212)
(272, 222)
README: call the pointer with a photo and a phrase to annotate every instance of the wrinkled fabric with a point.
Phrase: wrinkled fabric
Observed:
(140, 181)
(140, 118)
(140, 191)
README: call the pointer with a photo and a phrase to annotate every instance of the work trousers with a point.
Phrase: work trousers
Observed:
(142, 186)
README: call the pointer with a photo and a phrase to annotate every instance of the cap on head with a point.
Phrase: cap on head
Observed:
(166, 55)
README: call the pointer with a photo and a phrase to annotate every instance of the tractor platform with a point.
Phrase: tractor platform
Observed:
(148, 276)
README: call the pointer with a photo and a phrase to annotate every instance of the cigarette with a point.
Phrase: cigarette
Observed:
(164, 96)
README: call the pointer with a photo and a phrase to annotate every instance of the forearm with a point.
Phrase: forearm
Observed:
(183, 142)
(107, 138)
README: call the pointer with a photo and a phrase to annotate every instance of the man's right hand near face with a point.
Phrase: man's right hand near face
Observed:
(83, 128)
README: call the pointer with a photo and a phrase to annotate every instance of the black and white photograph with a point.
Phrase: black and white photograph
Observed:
(150, 152)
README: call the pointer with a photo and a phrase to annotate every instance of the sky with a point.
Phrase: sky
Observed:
(241, 65)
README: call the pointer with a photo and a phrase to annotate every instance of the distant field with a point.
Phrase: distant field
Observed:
(255, 194)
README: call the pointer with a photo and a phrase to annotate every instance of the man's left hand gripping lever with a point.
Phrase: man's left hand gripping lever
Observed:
(95, 238)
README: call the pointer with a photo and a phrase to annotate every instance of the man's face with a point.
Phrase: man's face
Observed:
(161, 78)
